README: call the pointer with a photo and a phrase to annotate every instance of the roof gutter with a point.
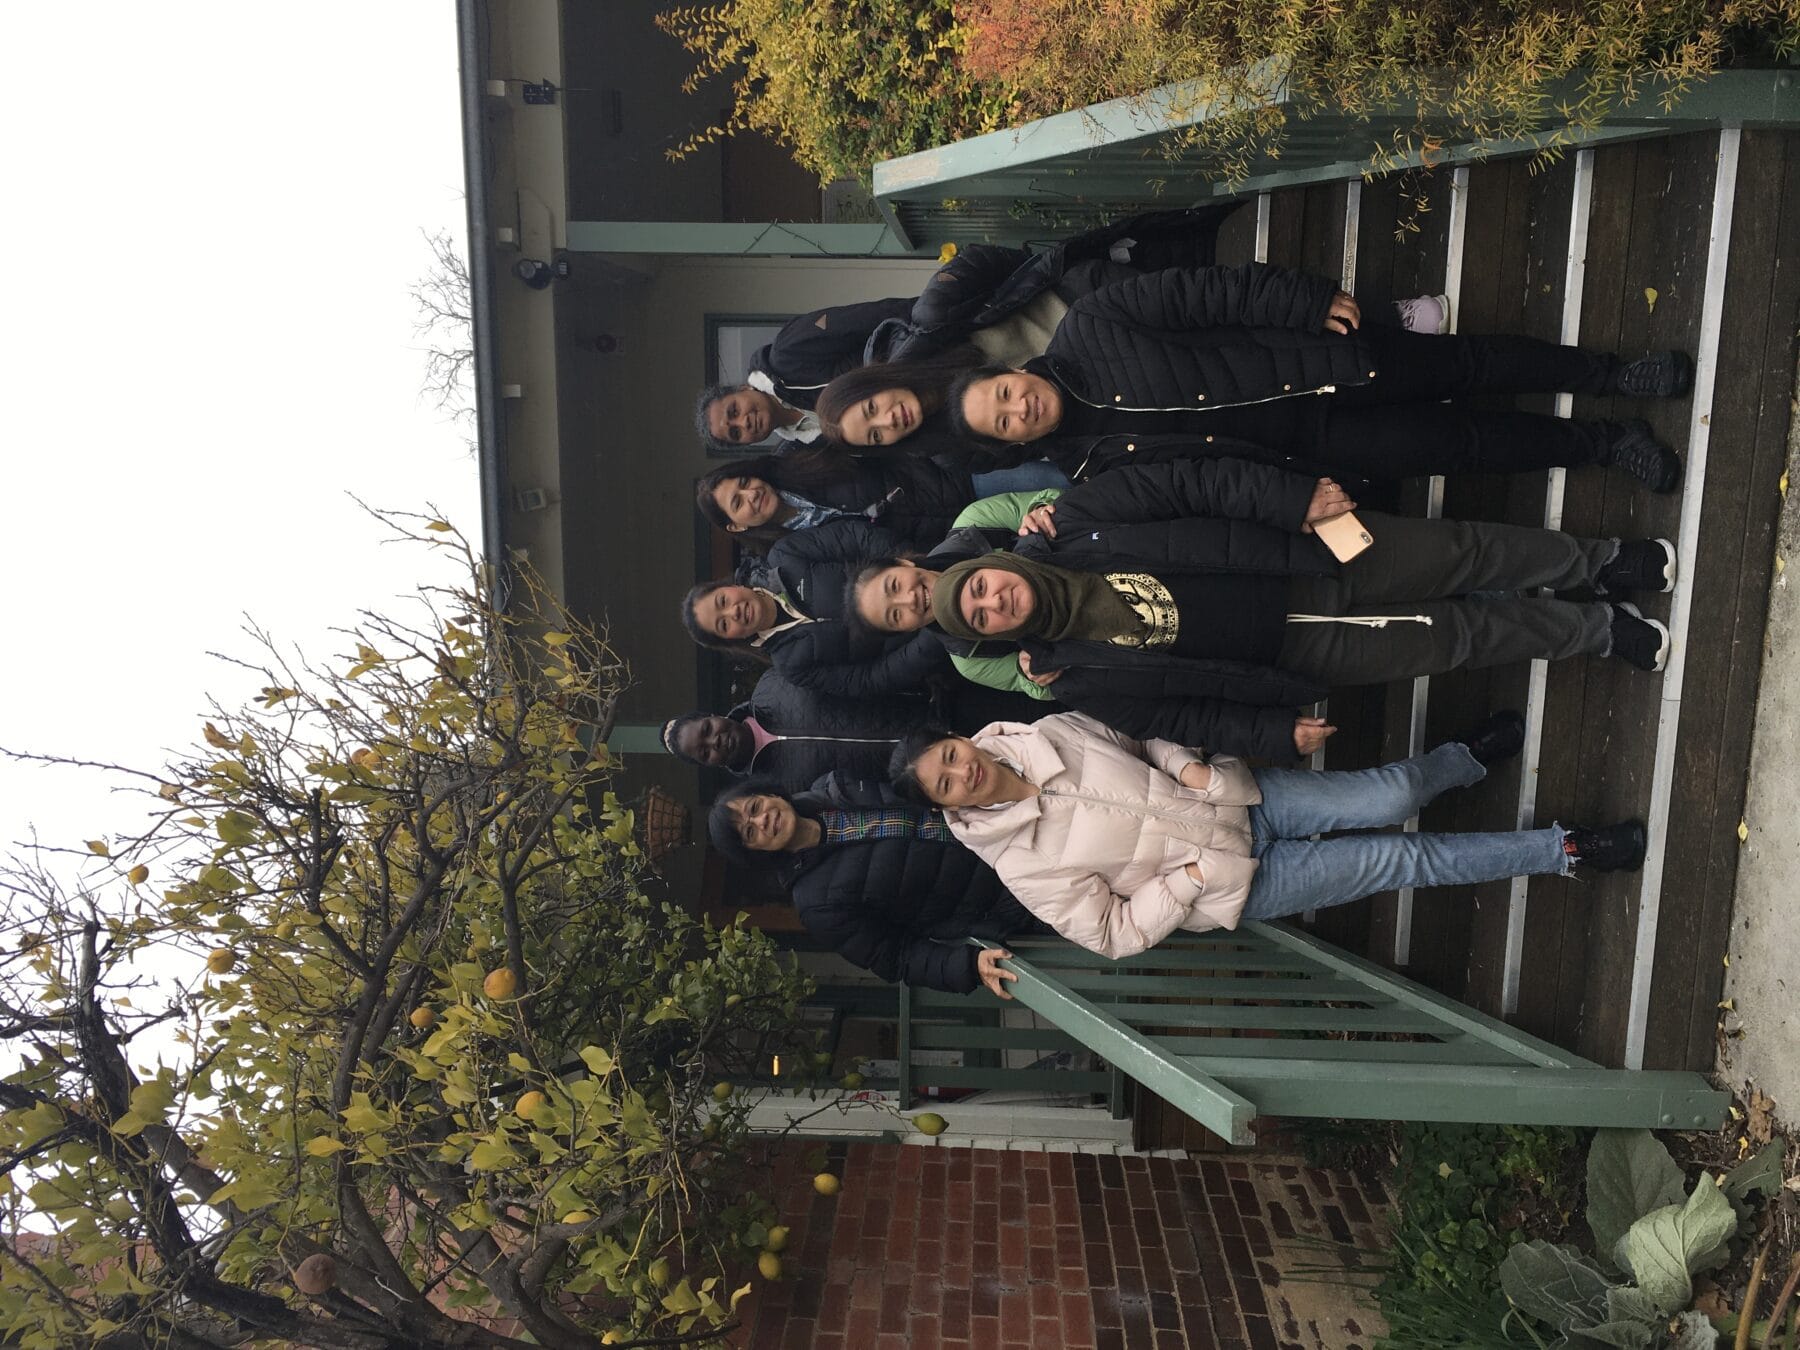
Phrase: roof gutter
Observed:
(490, 449)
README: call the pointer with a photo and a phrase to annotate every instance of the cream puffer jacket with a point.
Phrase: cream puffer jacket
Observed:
(1100, 852)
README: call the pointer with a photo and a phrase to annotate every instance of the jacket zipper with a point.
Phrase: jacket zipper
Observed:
(1242, 403)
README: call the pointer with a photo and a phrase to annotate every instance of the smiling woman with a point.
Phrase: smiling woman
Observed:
(884, 884)
(1118, 842)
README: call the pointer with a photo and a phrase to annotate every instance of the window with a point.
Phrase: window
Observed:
(730, 341)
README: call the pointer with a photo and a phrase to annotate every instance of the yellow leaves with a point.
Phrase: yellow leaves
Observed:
(138, 875)
(946, 253)
(169, 792)
(439, 526)
(323, 1146)
(367, 659)
(98, 847)
(598, 1061)
(274, 694)
(1743, 832)
(490, 1155)
(217, 739)
(1783, 485)
(1650, 295)
(235, 828)
(365, 1117)
(558, 639)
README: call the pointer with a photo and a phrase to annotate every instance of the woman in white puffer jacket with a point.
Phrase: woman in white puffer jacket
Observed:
(1116, 843)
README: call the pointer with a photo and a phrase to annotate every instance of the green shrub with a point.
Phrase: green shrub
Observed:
(842, 85)
(1451, 69)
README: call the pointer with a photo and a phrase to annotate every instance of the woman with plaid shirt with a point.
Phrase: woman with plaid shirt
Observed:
(883, 883)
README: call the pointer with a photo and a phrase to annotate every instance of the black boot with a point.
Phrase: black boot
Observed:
(1611, 848)
(1633, 447)
(1641, 565)
(1638, 641)
(1660, 375)
(1499, 738)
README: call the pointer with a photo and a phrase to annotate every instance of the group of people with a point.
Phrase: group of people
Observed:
(1038, 568)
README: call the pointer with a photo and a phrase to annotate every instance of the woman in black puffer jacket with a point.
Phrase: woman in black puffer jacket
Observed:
(761, 499)
(885, 885)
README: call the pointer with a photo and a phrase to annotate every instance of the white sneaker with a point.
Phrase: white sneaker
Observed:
(1424, 314)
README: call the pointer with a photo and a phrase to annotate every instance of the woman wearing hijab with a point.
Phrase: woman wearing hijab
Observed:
(1116, 842)
(1190, 601)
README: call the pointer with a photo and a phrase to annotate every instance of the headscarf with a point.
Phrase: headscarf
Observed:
(1066, 604)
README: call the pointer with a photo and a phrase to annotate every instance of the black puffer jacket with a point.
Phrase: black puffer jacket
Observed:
(822, 735)
(811, 567)
(813, 349)
(901, 907)
(985, 284)
(1193, 339)
(915, 498)
(1085, 457)
(1185, 517)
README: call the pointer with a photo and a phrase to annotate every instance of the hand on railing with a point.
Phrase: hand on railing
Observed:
(987, 965)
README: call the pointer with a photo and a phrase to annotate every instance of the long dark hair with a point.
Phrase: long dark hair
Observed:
(929, 378)
(705, 636)
(803, 473)
(903, 763)
(953, 405)
(721, 829)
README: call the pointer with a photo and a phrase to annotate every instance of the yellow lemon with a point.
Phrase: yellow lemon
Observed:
(530, 1104)
(778, 1236)
(852, 1081)
(220, 960)
(423, 1017)
(659, 1272)
(721, 1092)
(768, 1265)
(500, 983)
(930, 1122)
(826, 1184)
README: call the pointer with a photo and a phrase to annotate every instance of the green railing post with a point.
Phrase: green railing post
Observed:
(1215, 1106)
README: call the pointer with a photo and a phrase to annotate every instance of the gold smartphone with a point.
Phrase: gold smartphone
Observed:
(1344, 535)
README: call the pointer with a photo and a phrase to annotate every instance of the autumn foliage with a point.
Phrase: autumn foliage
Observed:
(374, 1035)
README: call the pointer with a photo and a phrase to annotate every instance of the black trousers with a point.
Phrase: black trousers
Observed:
(1399, 425)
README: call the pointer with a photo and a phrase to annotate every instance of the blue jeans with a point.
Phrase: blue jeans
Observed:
(1027, 477)
(1295, 873)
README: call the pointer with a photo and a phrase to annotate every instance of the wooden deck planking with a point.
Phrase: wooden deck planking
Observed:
(1665, 190)
(1747, 453)
(1528, 270)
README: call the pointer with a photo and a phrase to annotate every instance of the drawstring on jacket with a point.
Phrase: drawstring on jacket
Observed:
(1361, 621)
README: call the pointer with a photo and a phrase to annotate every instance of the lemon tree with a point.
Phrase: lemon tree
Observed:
(356, 1132)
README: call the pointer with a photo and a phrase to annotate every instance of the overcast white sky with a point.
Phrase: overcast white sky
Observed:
(213, 215)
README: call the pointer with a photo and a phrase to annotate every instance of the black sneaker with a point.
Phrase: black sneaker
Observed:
(1633, 447)
(1499, 738)
(1638, 641)
(1641, 565)
(1661, 375)
(1611, 848)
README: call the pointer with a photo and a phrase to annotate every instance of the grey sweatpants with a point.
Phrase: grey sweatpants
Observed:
(1413, 573)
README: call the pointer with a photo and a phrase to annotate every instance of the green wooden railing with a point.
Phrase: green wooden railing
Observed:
(1267, 1021)
(929, 1020)
(1060, 174)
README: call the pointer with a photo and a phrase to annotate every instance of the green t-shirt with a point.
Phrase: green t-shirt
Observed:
(1004, 511)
